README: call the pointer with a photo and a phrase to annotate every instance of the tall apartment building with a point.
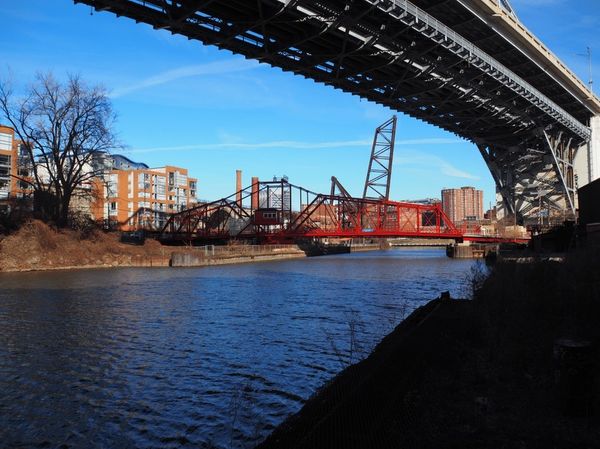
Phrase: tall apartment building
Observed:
(464, 204)
(135, 196)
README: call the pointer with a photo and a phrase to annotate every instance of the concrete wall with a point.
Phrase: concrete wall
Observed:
(587, 160)
(581, 165)
(595, 148)
(190, 259)
(589, 203)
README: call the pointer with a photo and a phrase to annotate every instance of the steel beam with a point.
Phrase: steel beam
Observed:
(428, 26)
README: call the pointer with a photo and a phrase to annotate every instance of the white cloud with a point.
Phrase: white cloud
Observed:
(211, 68)
(421, 160)
(430, 141)
(234, 143)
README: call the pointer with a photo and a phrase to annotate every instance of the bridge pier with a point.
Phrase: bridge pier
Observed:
(587, 161)
(594, 150)
(534, 178)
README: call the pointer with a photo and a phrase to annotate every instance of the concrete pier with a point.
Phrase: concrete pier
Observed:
(594, 149)
(223, 255)
(470, 251)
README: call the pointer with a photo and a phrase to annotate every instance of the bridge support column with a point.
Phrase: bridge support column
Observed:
(502, 174)
(587, 160)
(535, 179)
(563, 154)
(594, 149)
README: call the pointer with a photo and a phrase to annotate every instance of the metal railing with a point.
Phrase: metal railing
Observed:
(239, 250)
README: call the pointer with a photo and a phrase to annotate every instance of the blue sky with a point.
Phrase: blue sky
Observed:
(182, 103)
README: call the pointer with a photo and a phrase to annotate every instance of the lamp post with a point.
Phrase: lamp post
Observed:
(588, 55)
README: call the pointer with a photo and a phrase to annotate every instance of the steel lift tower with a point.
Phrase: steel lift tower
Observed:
(379, 174)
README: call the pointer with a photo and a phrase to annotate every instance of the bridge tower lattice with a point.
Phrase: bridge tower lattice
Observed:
(379, 174)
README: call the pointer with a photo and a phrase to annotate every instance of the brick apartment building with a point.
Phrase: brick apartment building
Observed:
(12, 165)
(464, 204)
(128, 195)
(133, 195)
(8, 162)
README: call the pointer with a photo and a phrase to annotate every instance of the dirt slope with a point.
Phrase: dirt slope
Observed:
(36, 246)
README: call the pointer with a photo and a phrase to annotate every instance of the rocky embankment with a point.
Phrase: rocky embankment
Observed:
(473, 374)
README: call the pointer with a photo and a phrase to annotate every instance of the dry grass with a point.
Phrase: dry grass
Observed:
(37, 246)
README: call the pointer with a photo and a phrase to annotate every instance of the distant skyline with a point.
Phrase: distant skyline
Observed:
(182, 103)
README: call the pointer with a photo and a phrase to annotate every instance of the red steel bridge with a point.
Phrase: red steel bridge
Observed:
(279, 212)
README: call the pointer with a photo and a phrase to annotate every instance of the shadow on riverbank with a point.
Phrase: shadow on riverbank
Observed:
(471, 374)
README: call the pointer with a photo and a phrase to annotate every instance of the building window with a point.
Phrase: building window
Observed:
(113, 206)
(5, 141)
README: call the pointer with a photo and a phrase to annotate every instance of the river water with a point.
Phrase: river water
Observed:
(199, 357)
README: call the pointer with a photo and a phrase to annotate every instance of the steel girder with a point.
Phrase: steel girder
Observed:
(379, 173)
(395, 54)
(539, 171)
(314, 215)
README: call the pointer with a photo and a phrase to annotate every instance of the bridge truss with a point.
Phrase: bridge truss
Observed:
(279, 212)
(379, 173)
(438, 63)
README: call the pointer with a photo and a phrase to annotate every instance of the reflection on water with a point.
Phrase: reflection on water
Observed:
(193, 357)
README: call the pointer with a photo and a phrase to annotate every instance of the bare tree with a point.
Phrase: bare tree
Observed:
(64, 127)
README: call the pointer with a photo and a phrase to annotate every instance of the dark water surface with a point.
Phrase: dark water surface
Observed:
(200, 357)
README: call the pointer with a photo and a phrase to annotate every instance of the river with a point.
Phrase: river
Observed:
(199, 357)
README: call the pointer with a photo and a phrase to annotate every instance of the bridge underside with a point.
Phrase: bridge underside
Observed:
(403, 57)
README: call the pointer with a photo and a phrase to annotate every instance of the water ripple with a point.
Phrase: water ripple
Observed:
(210, 357)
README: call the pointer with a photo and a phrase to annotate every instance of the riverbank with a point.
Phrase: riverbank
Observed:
(38, 247)
(469, 374)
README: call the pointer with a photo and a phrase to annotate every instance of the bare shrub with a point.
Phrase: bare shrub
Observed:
(355, 351)
(475, 279)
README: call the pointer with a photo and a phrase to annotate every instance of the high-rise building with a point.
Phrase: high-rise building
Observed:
(464, 204)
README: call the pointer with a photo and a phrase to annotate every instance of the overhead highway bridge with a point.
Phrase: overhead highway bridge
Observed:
(467, 66)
